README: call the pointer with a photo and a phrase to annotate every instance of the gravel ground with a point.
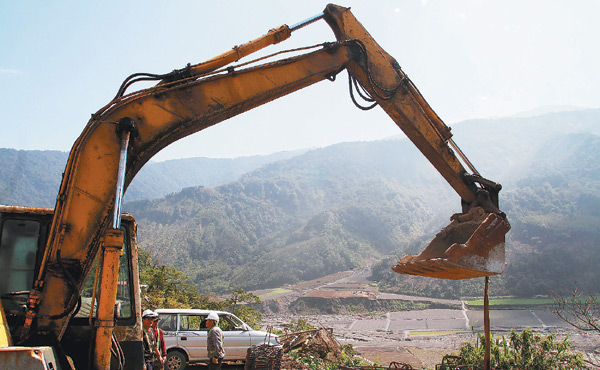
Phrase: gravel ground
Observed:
(373, 337)
(399, 336)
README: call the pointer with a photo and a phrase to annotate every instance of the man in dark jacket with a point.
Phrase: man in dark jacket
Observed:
(214, 343)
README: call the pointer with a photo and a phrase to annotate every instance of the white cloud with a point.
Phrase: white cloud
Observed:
(8, 70)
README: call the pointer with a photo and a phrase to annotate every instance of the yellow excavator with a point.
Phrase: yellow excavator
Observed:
(68, 276)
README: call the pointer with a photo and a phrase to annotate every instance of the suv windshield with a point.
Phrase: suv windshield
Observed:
(227, 322)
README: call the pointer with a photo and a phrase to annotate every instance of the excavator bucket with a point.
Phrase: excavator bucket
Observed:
(471, 246)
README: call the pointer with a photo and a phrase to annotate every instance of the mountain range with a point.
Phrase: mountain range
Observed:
(32, 177)
(268, 221)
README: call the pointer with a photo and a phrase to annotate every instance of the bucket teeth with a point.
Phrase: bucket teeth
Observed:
(440, 268)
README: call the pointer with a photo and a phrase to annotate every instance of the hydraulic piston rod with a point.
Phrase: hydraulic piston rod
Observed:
(111, 253)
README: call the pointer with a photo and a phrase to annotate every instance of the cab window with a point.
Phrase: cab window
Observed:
(192, 322)
(18, 248)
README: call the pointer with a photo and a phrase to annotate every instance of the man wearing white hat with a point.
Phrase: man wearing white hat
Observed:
(214, 343)
(149, 339)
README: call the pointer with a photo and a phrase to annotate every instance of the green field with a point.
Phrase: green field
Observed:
(428, 333)
(513, 302)
(275, 292)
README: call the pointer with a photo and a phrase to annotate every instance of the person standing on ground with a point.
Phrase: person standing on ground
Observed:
(161, 347)
(148, 339)
(214, 343)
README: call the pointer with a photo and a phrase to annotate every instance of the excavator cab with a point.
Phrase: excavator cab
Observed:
(23, 235)
(472, 245)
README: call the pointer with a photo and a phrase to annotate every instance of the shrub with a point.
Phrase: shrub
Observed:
(525, 351)
(299, 325)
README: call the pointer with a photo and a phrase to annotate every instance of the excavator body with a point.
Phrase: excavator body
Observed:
(84, 238)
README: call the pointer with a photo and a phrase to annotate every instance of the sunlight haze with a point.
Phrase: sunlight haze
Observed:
(62, 61)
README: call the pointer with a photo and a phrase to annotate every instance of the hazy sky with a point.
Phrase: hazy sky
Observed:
(60, 61)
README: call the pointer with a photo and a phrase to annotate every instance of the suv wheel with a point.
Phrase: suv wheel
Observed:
(175, 361)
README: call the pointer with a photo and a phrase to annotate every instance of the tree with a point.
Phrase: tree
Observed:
(240, 304)
(578, 311)
(167, 287)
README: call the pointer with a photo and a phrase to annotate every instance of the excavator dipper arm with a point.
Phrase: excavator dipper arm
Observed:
(481, 220)
(191, 100)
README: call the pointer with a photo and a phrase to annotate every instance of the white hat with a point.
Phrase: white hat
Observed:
(213, 316)
(149, 314)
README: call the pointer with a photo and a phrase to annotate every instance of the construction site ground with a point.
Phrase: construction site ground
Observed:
(420, 338)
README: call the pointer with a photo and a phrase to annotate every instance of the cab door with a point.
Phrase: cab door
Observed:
(191, 335)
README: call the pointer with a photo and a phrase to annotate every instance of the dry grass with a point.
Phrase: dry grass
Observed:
(429, 357)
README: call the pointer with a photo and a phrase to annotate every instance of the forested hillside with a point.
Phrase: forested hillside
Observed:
(325, 211)
(340, 207)
(157, 179)
(32, 177)
(550, 169)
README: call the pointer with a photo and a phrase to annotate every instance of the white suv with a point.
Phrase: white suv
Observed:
(185, 336)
